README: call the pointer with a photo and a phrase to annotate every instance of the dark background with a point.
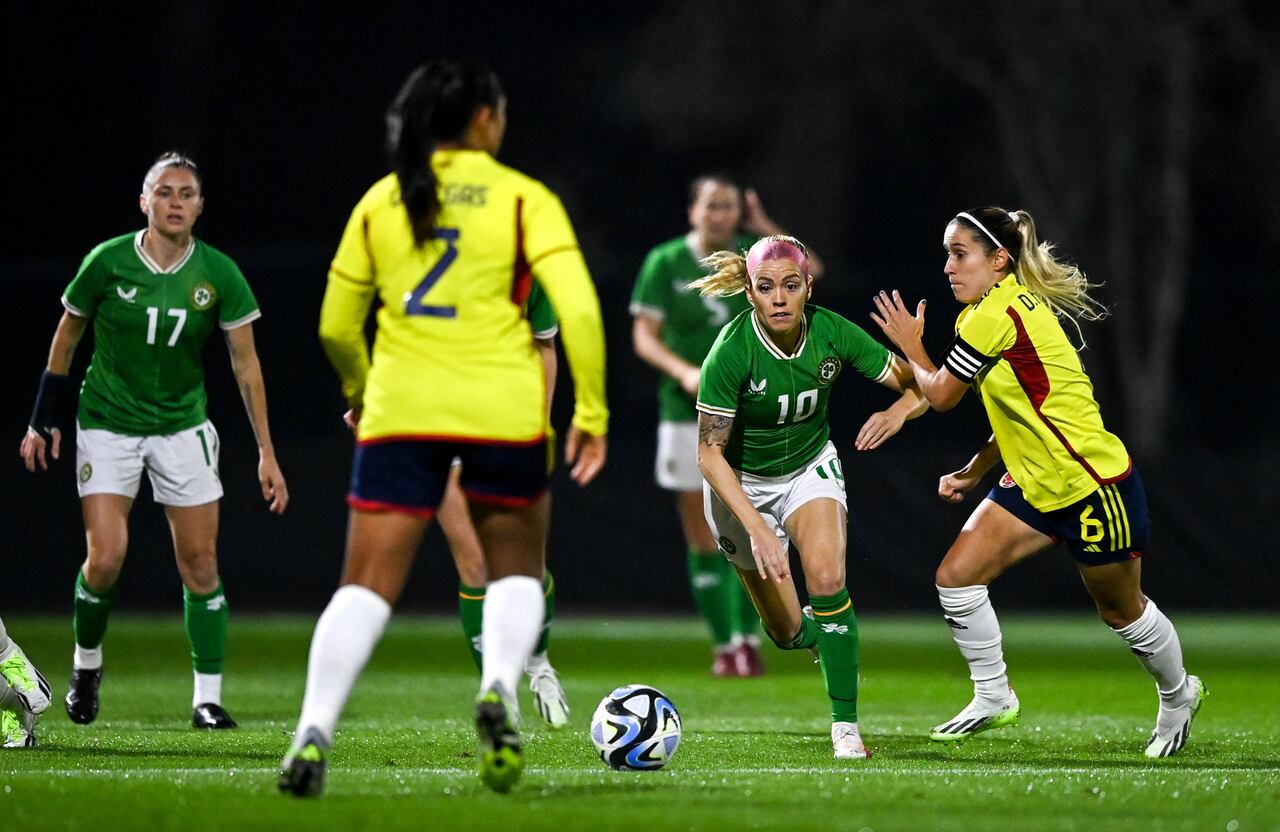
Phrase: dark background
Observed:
(1142, 136)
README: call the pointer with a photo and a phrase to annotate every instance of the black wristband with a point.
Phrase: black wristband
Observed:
(51, 400)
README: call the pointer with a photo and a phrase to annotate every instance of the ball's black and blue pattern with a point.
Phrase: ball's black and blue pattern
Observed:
(636, 728)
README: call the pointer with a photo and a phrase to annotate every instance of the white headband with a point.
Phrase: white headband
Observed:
(971, 218)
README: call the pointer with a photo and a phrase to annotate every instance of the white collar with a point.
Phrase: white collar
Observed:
(152, 265)
(773, 348)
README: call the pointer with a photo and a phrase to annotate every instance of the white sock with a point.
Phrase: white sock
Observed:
(348, 630)
(207, 690)
(1154, 641)
(87, 658)
(977, 633)
(513, 610)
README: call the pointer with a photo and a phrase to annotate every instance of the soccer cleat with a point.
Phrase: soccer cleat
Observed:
(26, 681)
(846, 742)
(17, 729)
(212, 716)
(548, 696)
(501, 756)
(1173, 725)
(746, 660)
(723, 666)
(978, 716)
(302, 772)
(82, 698)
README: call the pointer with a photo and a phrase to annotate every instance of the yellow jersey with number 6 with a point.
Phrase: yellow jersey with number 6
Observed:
(453, 358)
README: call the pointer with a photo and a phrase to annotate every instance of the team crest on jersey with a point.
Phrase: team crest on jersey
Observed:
(755, 389)
(1007, 480)
(86, 471)
(828, 369)
(203, 295)
(726, 546)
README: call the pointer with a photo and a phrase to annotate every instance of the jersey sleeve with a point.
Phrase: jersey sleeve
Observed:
(347, 299)
(85, 290)
(720, 383)
(542, 317)
(651, 296)
(981, 335)
(551, 249)
(238, 306)
(862, 352)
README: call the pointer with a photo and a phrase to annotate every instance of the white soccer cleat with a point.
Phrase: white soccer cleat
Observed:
(24, 680)
(1173, 725)
(846, 742)
(978, 716)
(549, 696)
(17, 729)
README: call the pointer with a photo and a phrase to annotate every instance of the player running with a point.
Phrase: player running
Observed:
(450, 242)
(154, 297)
(772, 473)
(24, 695)
(1068, 479)
(673, 327)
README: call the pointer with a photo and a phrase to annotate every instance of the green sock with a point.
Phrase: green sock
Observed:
(707, 581)
(549, 597)
(806, 638)
(92, 609)
(838, 648)
(471, 611)
(746, 621)
(206, 617)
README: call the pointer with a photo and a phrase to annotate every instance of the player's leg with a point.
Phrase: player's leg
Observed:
(106, 523)
(709, 580)
(24, 695)
(455, 522)
(992, 541)
(206, 613)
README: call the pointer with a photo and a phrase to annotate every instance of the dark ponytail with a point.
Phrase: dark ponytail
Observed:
(435, 104)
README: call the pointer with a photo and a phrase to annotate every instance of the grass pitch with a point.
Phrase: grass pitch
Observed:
(755, 754)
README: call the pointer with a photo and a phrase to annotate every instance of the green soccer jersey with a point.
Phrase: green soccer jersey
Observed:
(149, 326)
(690, 322)
(542, 317)
(778, 402)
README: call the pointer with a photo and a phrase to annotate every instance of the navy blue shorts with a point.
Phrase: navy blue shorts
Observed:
(1111, 525)
(410, 475)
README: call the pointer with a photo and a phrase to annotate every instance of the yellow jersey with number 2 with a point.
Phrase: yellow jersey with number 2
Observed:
(453, 358)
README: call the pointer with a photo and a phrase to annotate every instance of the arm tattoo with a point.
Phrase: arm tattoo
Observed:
(714, 430)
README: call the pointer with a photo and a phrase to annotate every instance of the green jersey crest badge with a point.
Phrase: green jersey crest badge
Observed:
(86, 471)
(203, 295)
(828, 370)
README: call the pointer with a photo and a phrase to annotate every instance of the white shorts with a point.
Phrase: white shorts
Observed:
(676, 465)
(182, 467)
(776, 498)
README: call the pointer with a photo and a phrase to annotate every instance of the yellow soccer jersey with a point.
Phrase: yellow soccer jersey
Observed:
(454, 356)
(1012, 347)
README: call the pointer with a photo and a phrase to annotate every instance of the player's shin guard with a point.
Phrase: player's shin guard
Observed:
(513, 611)
(471, 611)
(1154, 641)
(977, 633)
(711, 593)
(805, 639)
(92, 609)
(549, 605)
(838, 648)
(345, 636)
(206, 617)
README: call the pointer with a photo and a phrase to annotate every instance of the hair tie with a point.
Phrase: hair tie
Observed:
(1013, 215)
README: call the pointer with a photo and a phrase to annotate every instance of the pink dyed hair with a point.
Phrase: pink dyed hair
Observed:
(777, 248)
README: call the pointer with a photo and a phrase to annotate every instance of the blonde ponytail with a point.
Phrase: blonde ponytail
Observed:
(1060, 285)
(728, 274)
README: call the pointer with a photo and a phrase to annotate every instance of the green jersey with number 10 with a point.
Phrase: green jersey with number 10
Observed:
(146, 377)
(778, 402)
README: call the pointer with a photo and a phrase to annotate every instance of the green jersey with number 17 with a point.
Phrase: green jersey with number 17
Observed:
(149, 326)
(778, 402)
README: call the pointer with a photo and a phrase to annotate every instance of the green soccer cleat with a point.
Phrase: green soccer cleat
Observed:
(25, 680)
(501, 756)
(1173, 725)
(302, 772)
(17, 729)
(978, 716)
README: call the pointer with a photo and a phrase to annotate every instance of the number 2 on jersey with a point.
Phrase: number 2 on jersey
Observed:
(413, 304)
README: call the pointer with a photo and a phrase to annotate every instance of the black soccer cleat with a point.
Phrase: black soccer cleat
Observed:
(82, 697)
(211, 716)
(302, 772)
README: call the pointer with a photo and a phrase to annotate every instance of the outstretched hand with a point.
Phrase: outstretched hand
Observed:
(754, 218)
(901, 327)
(878, 429)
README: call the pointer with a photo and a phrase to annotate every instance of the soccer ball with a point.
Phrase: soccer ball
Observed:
(636, 728)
